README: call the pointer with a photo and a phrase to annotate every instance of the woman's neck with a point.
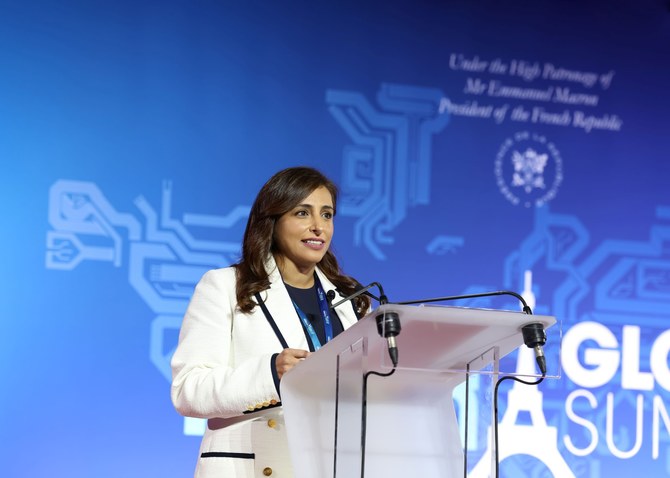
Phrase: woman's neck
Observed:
(302, 278)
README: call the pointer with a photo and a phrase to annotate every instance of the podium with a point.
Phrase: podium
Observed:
(344, 423)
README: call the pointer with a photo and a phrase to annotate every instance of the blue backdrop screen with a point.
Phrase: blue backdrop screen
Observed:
(478, 146)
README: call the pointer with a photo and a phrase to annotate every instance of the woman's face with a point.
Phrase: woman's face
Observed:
(302, 235)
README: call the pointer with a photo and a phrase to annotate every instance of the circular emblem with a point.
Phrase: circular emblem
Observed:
(528, 169)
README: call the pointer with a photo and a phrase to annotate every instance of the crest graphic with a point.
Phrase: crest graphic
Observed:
(528, 169)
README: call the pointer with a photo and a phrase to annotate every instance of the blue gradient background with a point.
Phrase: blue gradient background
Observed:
(215, 96)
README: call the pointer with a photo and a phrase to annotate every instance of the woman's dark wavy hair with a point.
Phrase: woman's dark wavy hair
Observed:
(279, 195)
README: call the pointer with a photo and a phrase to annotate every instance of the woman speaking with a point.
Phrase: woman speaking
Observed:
(249, 324)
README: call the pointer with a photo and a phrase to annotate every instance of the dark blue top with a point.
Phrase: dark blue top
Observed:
(308, 301)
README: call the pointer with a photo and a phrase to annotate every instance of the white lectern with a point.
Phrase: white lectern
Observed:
(345, 423)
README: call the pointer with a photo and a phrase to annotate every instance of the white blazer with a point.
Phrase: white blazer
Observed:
(221, 370)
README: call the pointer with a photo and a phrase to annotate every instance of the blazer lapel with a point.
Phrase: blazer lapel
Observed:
(283, 312)
(281, 308)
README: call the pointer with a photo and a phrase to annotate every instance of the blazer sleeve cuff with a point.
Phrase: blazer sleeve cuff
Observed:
(275, 375)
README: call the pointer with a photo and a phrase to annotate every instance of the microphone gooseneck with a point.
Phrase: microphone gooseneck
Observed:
(526, 308)
(382, 297)
(363, 290)
(534, 335)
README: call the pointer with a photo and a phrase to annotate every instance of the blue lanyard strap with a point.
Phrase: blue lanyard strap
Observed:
(325, 315)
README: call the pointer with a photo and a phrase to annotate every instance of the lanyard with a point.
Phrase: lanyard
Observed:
(325, 315)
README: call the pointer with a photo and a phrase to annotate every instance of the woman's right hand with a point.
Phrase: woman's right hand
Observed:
(288, 358)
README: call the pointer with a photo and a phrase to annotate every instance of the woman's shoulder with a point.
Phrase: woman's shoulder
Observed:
(223, 275)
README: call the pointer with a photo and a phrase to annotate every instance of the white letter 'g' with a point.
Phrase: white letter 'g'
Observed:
(600, 364)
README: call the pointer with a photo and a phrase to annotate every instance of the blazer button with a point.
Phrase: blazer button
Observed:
(272, 423)
(267, 471)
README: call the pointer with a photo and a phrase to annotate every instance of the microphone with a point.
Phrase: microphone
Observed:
(388, 323)
(388, 326)
(330, 296)
(535, 337)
